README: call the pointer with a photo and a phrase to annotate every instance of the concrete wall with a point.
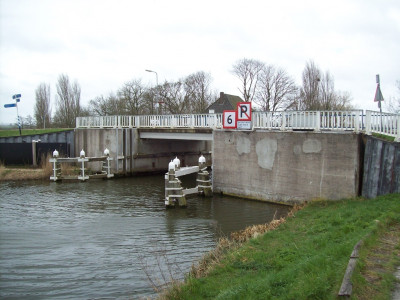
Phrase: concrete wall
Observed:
(286, 167)
(140, 155)
(381, 167)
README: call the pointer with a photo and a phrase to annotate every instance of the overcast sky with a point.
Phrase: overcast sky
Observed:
(103, 44)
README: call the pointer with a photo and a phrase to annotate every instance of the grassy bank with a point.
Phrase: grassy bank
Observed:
(305, 257)
(15, 132)
(26, 172)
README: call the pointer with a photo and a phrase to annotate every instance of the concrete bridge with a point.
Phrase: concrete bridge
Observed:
(145, 143)
(285, 156)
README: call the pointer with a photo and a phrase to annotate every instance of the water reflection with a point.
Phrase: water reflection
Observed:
(90, 240)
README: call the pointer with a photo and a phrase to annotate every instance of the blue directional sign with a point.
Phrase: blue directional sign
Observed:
(16, 96)
(10, 105)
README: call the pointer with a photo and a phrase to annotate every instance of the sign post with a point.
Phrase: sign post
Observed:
(378, 95)
(17, 98)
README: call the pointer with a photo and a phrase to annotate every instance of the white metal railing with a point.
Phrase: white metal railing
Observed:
(309, 120)
(152, 121)
(383, 123)
(352, 120)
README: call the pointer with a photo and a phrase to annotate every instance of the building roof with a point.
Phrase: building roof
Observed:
(224, 102)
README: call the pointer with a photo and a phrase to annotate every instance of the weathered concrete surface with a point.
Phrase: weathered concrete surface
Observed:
(286, 167)
(139, 155)
(381, 168)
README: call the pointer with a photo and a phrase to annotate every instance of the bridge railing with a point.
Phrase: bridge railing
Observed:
(383, 123)
(152, 121)
(309, 120)
(351, 120)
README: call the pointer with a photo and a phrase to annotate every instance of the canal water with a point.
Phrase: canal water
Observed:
(108, 239)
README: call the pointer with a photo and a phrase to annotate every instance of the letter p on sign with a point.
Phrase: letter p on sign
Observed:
(244, 111)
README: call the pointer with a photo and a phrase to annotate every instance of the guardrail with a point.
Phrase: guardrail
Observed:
(152, 121)
(352, 120)
(309, 120)
(383, 123)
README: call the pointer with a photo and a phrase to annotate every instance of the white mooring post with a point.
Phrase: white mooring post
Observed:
(107, 164)
(203, 178)
(82, 160)
(175, 193)
(177, 163)
(173, 189)
(56, 167)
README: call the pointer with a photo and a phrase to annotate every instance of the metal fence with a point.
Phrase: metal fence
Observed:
(351, 120)
(152, 121)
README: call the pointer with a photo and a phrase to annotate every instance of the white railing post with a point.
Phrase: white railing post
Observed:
(368, 122)
(357, 121)
(397, 138)
(317, 125)
(283, 121)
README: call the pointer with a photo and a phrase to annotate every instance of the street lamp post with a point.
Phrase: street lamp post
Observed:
(159, 103)
(151, 71)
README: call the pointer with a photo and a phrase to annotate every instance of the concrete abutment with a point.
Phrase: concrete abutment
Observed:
(286, 167)
(276, 166)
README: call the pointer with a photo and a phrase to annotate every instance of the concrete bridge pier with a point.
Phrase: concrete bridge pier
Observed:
(138, 151)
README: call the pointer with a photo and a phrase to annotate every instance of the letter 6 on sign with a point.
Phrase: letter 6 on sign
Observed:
(244, 111)
(229, 119)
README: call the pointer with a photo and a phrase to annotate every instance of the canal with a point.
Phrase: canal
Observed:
(103, 239)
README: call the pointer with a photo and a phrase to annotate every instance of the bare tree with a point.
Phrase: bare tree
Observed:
(318, 91)
(132, 95)
(173, 97)
(42, 106)
(276, 89)
(106, 106)
(198, 89)
(248, 71)
(394, 102)
(68, 102)
(28, 122)
(309, 92)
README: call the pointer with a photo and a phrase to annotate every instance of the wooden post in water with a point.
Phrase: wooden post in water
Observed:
(173, 188)
(203, 178)
(174, 193)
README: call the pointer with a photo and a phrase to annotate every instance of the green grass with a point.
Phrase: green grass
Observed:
(304, 258)
(15, 132)
(383, 137)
